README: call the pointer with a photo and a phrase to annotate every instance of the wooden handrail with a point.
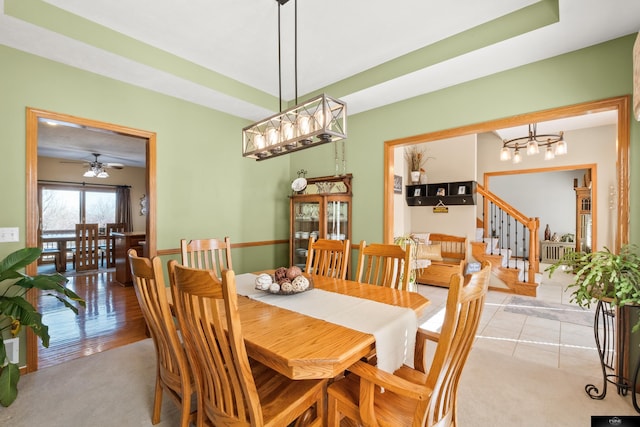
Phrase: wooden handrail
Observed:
(532, 224)
(504, 206)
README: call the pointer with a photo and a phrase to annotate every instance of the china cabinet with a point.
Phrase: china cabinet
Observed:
(322, 210)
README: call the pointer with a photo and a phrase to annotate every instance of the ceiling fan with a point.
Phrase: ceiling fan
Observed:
(96, 168)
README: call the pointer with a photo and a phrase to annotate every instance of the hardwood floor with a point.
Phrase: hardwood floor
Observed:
(111, 319)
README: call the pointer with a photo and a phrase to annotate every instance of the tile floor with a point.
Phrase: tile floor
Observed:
(547, 329)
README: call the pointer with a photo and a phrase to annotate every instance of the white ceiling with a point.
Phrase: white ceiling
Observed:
(224, 54)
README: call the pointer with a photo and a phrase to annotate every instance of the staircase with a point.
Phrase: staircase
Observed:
(510, 242)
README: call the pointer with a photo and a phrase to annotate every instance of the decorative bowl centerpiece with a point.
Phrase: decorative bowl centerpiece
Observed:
(284, 281)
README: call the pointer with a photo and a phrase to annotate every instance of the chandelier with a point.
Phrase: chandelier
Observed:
(319, 120)
(553, 144)
(96, 171)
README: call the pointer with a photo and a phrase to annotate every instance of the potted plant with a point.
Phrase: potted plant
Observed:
(603, 275)
(409, 243)
(16, 311)
(417, 158)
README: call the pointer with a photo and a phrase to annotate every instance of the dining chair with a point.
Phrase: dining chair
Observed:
(232, 389)
(384, 265)
(173, 374)
(207, 254)
(328, 258)
(109, 246)
(86, 251)
(411, 396)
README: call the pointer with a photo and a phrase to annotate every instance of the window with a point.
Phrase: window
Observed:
(100, 207)
(61, 207)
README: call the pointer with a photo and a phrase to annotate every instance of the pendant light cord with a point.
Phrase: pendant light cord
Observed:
(279, 63)
(295, 53)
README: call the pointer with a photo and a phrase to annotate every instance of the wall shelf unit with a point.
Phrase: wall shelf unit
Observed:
(447, 193)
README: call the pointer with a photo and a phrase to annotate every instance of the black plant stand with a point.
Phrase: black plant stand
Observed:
(605, 325)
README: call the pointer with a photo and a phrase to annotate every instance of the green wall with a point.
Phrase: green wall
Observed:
(594, 73)
(205, 188)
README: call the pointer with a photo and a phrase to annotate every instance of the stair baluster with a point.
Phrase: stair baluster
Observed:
(516, 248)
(521, 243)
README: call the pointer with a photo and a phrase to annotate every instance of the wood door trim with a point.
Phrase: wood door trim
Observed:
(31, 234)
(619, 104)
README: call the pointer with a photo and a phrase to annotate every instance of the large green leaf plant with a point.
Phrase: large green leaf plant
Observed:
(603, 275)
(16, 311)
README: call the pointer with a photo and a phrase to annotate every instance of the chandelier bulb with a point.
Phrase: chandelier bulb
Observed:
(549, 154)
(561, 148)
(517, 157)
(505, 154)
(272, 136)
(259, 141)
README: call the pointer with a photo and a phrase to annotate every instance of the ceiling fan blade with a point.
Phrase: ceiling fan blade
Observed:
(76, 162)
(113, 165)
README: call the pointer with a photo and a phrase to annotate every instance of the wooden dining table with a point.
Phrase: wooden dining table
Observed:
(61, 240)
(303, 347)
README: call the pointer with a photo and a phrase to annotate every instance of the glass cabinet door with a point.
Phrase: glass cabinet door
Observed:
(337, 225)
(306, 225)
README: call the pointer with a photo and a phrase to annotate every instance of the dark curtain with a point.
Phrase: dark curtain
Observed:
(123, 207)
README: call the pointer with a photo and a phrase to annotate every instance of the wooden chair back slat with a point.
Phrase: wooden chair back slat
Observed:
(86, 250)
(173, 373)
(384, 265)
(207, 254)
(328, 258)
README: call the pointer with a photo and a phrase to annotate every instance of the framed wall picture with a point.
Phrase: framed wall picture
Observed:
(441, 192)
(462, 189)
(397, 184)
(417, 192)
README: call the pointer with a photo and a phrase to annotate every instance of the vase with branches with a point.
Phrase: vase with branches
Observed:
(416, 158)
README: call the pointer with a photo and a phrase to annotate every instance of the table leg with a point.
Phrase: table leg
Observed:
(62, 259)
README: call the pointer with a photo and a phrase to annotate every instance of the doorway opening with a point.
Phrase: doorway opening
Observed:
(34, 116)
(618, 104)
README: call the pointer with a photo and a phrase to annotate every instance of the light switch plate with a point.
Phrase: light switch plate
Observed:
(12, 346)
(9, 234)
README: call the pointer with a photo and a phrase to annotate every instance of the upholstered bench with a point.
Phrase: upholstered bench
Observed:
(447, 255)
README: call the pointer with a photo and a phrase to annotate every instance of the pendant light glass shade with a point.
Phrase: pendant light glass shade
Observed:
(96, 172)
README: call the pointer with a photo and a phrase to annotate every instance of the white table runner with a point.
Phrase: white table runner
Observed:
(394, 328)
